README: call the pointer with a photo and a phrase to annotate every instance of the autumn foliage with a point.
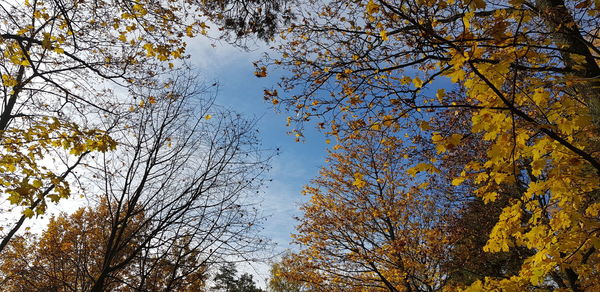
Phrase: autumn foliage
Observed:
(467, 151)
(494, 103)
(68, 256)
(96, 102)
(361, 224)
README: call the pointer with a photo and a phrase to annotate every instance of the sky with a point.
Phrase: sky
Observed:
(297, 163)
(294, 167)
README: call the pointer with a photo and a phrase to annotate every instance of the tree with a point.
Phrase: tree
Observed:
(360, 230)
(525, 73)
(466, 262)
(172, 200)
(65, 66)
(473, 218)
(241, 18)
(67, 257)
(189, 168)
(53, 54)
(226, 280)
(280, 280)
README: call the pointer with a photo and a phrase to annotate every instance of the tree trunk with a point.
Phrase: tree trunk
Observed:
(99, 284)
(566, 36)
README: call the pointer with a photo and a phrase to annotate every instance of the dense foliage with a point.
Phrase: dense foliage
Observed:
(494, 104)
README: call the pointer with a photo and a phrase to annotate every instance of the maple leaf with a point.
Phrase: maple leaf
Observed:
(372, 7)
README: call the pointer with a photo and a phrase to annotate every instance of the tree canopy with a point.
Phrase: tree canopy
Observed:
(99, 100)
(363, 227)
(494, 100)
(71, 69)
(226, 280)
(68, 256)
(467, 152)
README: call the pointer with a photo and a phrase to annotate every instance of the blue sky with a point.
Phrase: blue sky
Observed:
(297, 163)
(293, 168)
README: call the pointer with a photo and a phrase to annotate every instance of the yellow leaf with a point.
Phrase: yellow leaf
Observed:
(14, 198)
(422, 167)
(457, 181)
(593, 209)
(28, 213)
(189, 31)
(149, 49)
(475, 287)
(537, 166)
(467, 19)
(440, 94)
(22, 31)
(383, 35)
(8, 80)
(540, 96)
(490, 197)
(37, 183)
(208, 117)
(358, 180)
(456, 75)
(372, 7)
(424, 126)
(139, 9)
(417, 82)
